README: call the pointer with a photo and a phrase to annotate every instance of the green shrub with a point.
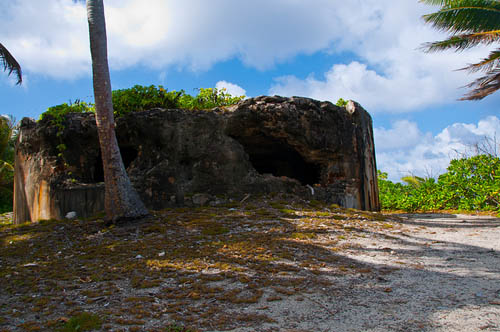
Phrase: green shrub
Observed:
(7, 142)
(208, 98)
(469, 184)
(58, 112)
(141, 98)
(472, 183)
(341, 102)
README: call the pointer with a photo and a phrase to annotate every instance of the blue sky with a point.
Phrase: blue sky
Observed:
(364, 50)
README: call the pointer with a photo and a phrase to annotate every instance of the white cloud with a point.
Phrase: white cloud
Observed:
(374, 91)
(47, 37)
(233, 89)
(404, 149)
(51, 38)
(403, 134)
(392, 74)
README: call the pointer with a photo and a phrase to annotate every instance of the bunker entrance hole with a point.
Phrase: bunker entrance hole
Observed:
(128, 154)
(272, 156)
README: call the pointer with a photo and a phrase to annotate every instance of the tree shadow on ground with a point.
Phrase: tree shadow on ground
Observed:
(251, 267)
(449, 220)
(440, 277)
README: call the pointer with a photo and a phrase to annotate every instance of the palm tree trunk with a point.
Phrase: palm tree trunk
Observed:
(121, 199)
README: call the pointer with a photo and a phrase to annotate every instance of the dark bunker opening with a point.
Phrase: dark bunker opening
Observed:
(272, 156)
(128, 154)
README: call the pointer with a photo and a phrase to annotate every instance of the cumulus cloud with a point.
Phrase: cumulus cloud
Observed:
(390, 74)
(47, 37)
(233, 89)
(404, 149)
(51, 36)
(403, 134)
(374, 91)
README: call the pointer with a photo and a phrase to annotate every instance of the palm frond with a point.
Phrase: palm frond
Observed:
(464, 41)
(484, 86)
(488, 64)
(10, 63)
(466, 16)
(438, 2)
(470, 23)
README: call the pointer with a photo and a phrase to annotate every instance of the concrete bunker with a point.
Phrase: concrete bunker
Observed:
(172, 155)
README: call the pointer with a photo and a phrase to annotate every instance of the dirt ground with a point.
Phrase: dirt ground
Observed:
(438, 272)
(262, 265)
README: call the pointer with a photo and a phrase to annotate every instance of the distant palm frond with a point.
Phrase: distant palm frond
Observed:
(10, 63)
(470, 23)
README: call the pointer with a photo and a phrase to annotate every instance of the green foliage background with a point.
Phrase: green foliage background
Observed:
(7, 139)
(141, 98)
(470, 184)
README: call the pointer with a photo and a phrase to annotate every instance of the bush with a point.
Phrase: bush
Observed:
(341, 102)
(469, 184)
(472, 183)
(58, 112)
(141, 98)
(208, 98)
(7, 142)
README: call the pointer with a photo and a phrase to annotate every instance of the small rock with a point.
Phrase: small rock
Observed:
(201, 199)
(139, 257)
(71, 215)
(161, 254)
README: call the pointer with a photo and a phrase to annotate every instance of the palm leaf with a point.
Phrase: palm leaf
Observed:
(470, 23)
(487, 65)
(466, 16)
(436, 2)
(462, 42)
(10, 63)
(484, 86)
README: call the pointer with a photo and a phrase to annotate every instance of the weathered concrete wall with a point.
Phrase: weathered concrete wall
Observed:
(261, 145)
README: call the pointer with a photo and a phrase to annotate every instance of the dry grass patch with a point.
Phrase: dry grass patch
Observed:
(191, 267)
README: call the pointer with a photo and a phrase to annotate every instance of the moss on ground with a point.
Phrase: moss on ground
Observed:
(191, 267)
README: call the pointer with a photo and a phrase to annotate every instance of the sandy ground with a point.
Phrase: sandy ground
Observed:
(257, 269)
(436, 273)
